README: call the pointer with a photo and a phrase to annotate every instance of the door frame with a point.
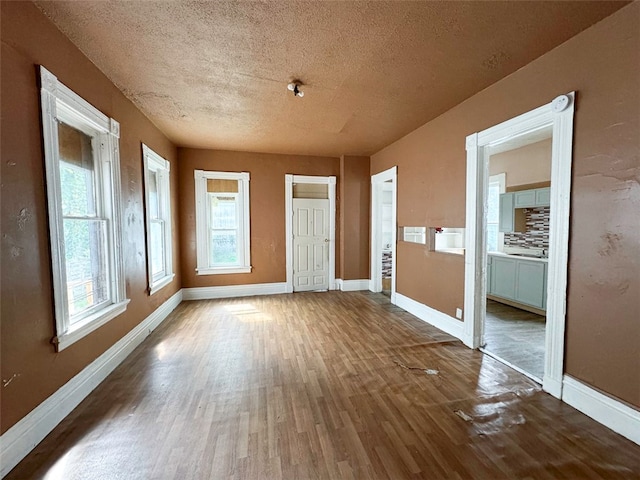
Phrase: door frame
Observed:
(375, 267)
(289, 180)
(559, 115)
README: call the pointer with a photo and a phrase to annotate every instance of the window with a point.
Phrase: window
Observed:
(158, 213)
(222, 222)
(495, 238)
(83, 196)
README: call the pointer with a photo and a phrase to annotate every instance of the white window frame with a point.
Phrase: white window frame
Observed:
(203, 228)
(60, 104)
(154, 163)
(501, 180)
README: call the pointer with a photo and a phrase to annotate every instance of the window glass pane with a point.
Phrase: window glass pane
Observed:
(494, 203)
(154, 209)
(86, 264)
(223, 212)
(76, 172)
(224, 247)
(157, 247)
(492, 237)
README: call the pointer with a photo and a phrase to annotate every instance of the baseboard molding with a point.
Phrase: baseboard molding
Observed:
(228, 291)
(433, 317)
(552, 386)
(352, 285)
(603, 409)
(20, 439)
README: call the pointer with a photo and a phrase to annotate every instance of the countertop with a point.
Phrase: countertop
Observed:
(520, 257)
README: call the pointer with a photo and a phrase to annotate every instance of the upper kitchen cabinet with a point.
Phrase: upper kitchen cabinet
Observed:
(513, 221)
(538, 197)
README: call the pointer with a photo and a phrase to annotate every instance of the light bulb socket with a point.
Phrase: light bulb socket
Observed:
(295, 88)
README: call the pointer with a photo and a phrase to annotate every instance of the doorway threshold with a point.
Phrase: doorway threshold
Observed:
(509, 364)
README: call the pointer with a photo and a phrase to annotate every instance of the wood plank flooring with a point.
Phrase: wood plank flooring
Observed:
(319, 386)
(516, 336)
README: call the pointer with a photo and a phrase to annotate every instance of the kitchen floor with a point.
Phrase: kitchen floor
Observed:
(516, 336)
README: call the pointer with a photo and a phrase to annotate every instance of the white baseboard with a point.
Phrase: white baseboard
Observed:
(228, 291)
(552, 386)
(352, 285)
(603, 409)
(20, 439)
(434, 317)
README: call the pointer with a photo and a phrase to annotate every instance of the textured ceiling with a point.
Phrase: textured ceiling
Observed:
(214, 74)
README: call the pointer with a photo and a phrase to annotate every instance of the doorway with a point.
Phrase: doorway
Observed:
(310, 224)
(517, 230)
(557, 116)
(310, 244)
(383, 233)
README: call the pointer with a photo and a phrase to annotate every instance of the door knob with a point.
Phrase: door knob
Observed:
(326, 239)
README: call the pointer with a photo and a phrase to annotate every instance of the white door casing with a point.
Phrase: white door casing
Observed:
(331, 184)
(310, 244)
(559, 115)
(377, 182)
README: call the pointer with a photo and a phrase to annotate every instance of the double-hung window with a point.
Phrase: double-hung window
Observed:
(83, 197)
(495, 238)
(158, 216)
(222, 222)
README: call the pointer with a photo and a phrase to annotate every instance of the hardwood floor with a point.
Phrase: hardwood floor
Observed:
(319, 386)
(516, 336)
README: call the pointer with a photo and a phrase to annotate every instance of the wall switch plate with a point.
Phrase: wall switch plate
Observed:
(459, 313)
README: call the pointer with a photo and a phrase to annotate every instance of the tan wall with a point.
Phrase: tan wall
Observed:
(266, 198)
(30, 366)
(602, 65)
(527, 165)
(355, 187)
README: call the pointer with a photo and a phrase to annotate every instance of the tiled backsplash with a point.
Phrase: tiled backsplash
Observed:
(386, 264)
(537, 234)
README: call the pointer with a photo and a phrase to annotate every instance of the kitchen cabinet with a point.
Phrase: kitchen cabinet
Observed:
(506, 221)
(524, 199)
(511, 218)
(531, 283)
(503, 277)
(519, 280)
(543, 197)
(537, 197)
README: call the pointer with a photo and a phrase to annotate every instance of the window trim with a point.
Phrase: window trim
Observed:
(203, 227)
(155, 163)
(59, 103)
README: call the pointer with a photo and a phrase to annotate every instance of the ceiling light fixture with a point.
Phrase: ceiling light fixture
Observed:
(295, 88)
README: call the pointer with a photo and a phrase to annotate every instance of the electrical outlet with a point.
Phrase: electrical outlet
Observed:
(459, 313)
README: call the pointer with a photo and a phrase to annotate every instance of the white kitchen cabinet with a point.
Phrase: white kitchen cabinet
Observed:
(518, 280)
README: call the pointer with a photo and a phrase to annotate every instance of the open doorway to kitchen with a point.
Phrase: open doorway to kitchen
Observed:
(556, 116)
(517, 219)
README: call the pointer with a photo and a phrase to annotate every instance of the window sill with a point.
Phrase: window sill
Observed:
(159, 284)
(222, 270)
(88, 325)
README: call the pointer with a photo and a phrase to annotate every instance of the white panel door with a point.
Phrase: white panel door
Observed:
(310, 244)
